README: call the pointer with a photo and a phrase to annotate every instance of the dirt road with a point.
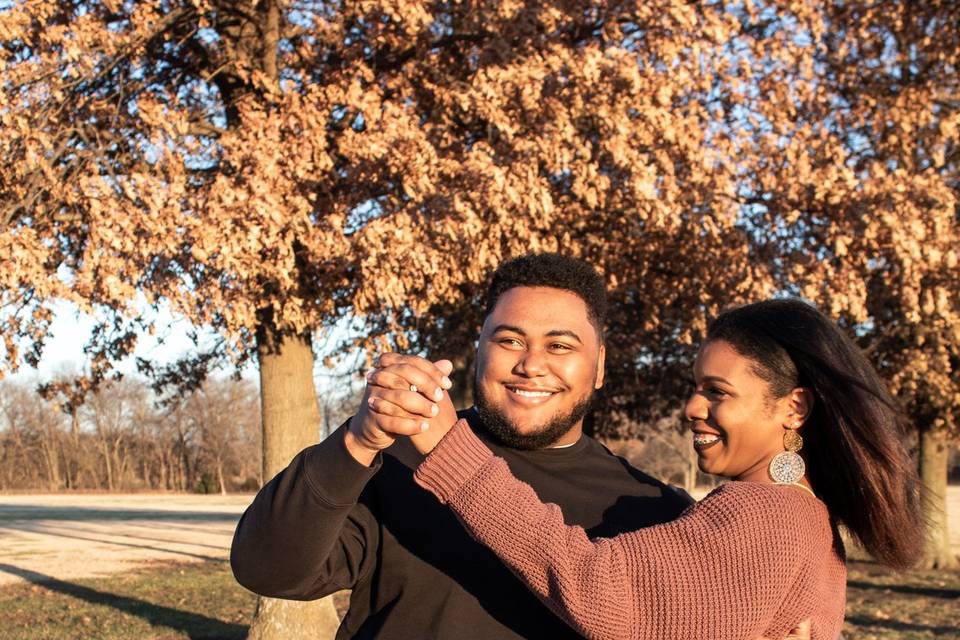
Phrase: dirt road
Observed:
(69, 536)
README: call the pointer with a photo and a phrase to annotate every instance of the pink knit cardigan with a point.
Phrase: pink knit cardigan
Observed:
(750, 559)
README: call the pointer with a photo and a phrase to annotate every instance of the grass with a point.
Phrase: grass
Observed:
(914, 605)
(167, 601)
(201, 601)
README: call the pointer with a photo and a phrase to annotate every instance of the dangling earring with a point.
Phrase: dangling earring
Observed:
(788, 467)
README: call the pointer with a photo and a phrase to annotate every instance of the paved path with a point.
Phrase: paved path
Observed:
(69, 536)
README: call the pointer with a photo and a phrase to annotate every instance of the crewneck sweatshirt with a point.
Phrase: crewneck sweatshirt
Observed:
(750, 559)
(327, 523)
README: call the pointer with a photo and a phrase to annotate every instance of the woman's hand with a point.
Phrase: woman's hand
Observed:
(800, 632)
(413, 388)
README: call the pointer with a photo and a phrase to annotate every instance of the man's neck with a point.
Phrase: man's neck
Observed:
(568, 439)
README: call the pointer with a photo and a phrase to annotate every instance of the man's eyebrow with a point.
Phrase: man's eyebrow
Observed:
(508, 327)
(556, 333)
(553, 333)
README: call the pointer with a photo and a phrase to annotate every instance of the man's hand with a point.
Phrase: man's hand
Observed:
(405, 396)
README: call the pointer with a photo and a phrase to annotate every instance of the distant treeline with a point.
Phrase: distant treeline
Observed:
(123, 438)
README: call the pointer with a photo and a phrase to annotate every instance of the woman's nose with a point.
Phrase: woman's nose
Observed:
(696, 408)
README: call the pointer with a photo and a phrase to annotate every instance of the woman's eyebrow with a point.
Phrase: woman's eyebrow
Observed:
(716, 379)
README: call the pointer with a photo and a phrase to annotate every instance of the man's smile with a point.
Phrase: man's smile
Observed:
(529, 395)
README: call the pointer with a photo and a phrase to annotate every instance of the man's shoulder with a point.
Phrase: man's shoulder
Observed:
(642, 477)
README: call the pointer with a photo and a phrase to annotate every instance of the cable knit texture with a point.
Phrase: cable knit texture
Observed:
(750, 559)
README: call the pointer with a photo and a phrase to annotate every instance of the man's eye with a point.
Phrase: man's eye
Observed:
(509, 342)
(559, 346)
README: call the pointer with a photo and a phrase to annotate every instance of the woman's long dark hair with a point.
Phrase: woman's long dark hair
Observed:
(853, 438)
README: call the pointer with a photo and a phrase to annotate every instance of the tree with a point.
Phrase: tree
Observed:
(33, 443)
(114, 411)
(220, 412)
(266, 167)
(854, 183)
(70, 392)
(270, 168)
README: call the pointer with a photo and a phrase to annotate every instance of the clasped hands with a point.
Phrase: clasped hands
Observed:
(405, 396)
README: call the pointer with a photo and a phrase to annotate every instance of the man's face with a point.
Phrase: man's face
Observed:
(539, 361)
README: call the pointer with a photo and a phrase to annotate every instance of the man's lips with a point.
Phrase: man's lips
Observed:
(525, 394)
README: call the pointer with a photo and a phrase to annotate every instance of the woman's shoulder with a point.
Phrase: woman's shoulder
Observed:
(768, 505)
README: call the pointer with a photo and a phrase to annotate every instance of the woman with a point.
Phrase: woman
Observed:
(756, 555)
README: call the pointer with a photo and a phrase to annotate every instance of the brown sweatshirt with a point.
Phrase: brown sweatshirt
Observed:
(750, 559)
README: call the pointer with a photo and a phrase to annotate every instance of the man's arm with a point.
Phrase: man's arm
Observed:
(305, 535)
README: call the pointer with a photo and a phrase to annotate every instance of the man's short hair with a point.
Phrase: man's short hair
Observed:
(556, 271)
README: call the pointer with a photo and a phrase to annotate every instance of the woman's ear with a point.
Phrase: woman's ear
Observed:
(800, 402)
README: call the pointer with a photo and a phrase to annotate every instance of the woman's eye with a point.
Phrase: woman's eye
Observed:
(716, 391)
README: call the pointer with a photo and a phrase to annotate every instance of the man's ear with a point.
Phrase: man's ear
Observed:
(601, 362)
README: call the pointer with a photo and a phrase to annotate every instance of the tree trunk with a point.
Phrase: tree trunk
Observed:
(933, 473)
(223, 487)
(51, 459)
(162, 481)
(290, 422)
(462, 378)
(104, 451)
(73, 465)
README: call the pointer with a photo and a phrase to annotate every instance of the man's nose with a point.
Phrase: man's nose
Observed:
(532, 364)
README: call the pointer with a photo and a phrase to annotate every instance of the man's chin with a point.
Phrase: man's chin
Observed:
(525, 432)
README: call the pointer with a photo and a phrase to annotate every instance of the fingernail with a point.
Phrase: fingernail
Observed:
(370, 402)
(438, 394)
(424, 426)
(445, 382)
(434, 409)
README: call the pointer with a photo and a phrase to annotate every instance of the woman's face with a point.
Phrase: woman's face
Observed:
(737, 426)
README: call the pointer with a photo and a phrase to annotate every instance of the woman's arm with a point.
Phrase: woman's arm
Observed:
(722, 570)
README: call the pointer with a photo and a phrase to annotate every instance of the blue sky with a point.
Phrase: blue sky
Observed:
(71, 329)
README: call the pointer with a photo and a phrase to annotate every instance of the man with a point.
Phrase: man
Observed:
(346, 513)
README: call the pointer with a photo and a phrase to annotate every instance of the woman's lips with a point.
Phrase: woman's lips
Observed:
(702, 441)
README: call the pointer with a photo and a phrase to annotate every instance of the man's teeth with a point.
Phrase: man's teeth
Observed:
(704, 438)
(532, 394)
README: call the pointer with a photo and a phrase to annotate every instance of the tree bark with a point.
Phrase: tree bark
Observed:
(105, 452)
(220, 483)
(462, 378)
(934, 454)
(290, 422)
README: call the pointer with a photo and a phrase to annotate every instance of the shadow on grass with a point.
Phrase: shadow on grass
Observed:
(872, 623)
(930, 592)
(98, 532)
(194, 625)
(25, 512)
(131, 545)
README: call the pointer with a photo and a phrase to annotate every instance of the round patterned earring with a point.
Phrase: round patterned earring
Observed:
(788, 467)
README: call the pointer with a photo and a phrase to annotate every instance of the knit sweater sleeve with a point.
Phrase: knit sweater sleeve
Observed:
(730, 567)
